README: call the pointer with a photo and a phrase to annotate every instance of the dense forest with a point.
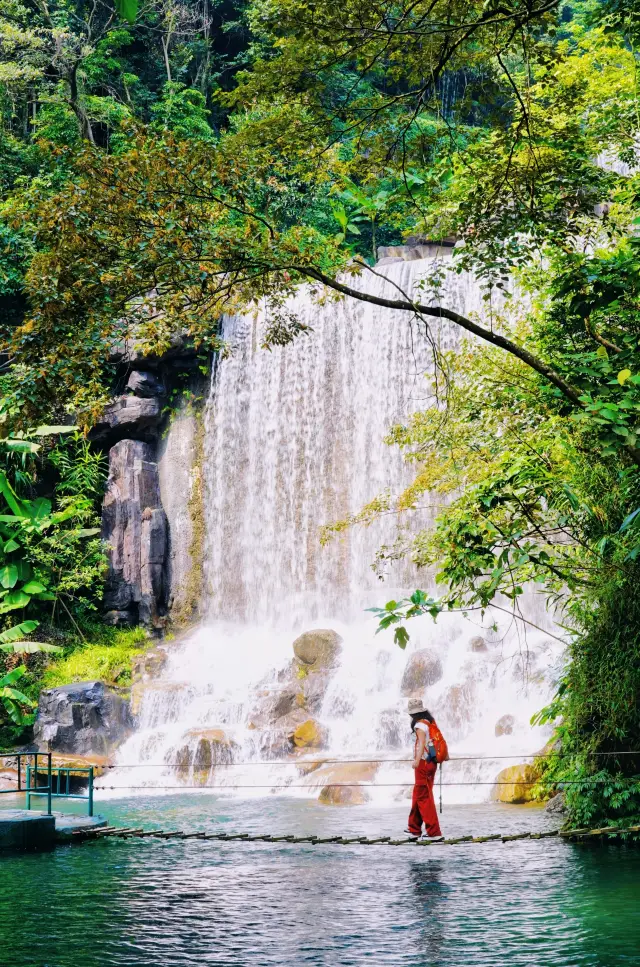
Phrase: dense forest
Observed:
(166, 162)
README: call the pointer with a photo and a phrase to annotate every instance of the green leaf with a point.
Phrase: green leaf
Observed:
(401, 637)
(602, 352)
(21, 446)
(628, 521)
(33, 587)
(9, 576)
(25, 571)
(623, 376)
(11, 545)
(53, 430)
(30, 648)
(17, 631)
(15, 599)
(13, 676)
(38, 508)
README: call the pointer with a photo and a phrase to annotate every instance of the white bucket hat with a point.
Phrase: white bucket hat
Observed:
(415, 705)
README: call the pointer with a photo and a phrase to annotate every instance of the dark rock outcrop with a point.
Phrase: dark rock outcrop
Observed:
(145, 384)
(87, 718)
(129, 417)
(135, 528)
(556, 805)
(180, 355)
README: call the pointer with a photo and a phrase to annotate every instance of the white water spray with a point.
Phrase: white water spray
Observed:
(294, 440)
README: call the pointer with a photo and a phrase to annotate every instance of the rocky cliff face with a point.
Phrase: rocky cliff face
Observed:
(145, 549)
(135, 528)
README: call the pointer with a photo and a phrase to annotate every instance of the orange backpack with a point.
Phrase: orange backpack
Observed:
(437, 739)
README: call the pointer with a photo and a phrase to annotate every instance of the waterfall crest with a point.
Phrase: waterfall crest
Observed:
(294, 440)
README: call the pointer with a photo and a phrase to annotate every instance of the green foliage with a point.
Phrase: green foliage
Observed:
(183, 111)
(597, 707)
(106, 655)
(13, 700)
(82, 470)
(47, 555)
(127, 9)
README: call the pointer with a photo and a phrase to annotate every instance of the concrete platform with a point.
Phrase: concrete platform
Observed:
(27, 830)
(67, 824)
(22, 831)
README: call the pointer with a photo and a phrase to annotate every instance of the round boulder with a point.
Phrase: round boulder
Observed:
(477, 644)
(504, 725)
(424, 668)
(343, 796)
(318, 648)
(308, 735)
(515, 784)
(344, 784)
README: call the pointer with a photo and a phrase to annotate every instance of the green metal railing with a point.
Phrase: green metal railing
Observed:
(60, 785)
(55, 785)
(32, 772)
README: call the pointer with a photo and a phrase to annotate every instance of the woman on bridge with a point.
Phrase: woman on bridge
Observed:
(429, 749)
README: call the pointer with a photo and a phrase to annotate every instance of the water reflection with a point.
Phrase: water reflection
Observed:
(429, 893)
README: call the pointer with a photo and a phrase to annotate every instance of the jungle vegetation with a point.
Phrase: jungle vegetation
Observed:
(166, 161)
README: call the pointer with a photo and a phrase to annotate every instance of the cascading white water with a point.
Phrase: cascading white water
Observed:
(294, 440)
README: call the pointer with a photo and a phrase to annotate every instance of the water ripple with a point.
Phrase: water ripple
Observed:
(188, 903)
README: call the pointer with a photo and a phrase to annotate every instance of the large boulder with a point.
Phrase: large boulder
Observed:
(134, 527)
(203, 750)
(86, 719)
(344, 784)
(317, 649)
(515, 784)
(308, 735)
(285, 702)
(423, 669)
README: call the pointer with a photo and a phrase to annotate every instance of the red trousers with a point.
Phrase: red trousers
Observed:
(423, 806)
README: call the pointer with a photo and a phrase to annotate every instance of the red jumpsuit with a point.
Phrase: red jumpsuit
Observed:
(423, 806)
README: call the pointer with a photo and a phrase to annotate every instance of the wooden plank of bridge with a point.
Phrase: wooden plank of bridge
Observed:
(127, 832)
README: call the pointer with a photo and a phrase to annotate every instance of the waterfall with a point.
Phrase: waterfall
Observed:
(295, 440)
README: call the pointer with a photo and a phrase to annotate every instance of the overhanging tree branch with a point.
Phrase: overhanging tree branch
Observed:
(440, 312)
(569, 392)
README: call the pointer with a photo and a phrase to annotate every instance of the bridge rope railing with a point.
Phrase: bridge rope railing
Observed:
(326, 781)
(366, 760)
